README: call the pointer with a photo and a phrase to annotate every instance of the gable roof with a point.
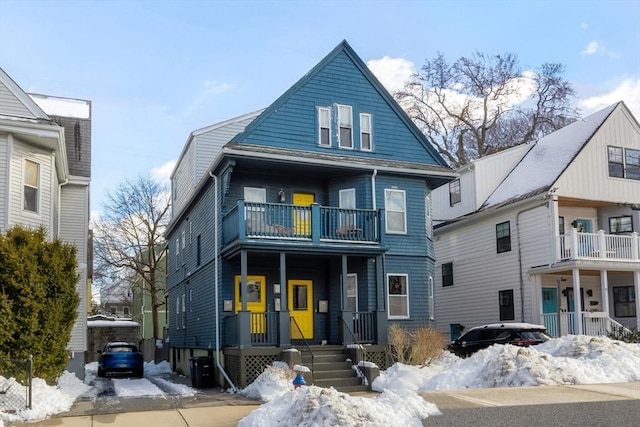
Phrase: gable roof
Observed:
(344, 47)
(547, 159)
(35, 112)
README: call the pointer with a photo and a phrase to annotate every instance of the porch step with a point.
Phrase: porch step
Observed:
(331, 369)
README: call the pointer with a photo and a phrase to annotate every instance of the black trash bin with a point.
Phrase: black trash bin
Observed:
(202, 371)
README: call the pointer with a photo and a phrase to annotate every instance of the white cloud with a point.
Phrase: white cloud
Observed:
(628, 91)
(211, 89)
(592, 48)
(392, 72)
(584, 25)
(162, 173)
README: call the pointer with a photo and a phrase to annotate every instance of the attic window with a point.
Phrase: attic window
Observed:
(624, 163)
(345, 123)
(31, 185)
(324, 127)
(365, 132)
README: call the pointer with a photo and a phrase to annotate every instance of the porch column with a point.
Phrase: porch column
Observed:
(604, 288)
(347, 316)
(537, 289)
(636, 286)
(577, 301)
(555, 232)
(244, 317)
(381, 312)
(285, 321)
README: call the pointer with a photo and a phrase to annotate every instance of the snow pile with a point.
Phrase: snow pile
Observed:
(275, 381)
(316, 406)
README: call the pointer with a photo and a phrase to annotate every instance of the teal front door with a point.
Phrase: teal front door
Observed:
(550, 306)
(575, 317)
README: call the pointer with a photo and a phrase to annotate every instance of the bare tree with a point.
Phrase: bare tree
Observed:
(128, 238)
(483, 104)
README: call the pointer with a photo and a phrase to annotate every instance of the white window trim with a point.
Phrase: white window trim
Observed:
(178, 313)
(387, 210)
(339, 107)
(389, 315)
(38, 187)
(320, 111)
(178, 263)
(429, 215)
(184, 311)
(355, 278)
(370, 132)
(432, 302)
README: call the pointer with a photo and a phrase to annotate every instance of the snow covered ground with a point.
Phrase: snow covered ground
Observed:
(566, 360)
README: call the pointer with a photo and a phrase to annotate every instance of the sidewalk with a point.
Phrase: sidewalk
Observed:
(226, 410)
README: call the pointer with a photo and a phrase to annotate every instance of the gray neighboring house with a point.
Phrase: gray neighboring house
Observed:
(45, 173)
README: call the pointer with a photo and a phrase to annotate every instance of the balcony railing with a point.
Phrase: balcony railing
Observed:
(599, 245)
(313, 223)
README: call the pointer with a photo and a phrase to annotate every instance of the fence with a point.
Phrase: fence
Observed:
(15, 384)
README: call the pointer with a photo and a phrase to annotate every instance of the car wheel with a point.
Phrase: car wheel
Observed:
(101, 372)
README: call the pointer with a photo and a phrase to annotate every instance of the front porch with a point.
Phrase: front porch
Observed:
(591, 323)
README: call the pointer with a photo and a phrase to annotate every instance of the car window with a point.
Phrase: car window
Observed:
(503, 335)
(469, 336)
(532, 335)
(486, 334)
(121, 349)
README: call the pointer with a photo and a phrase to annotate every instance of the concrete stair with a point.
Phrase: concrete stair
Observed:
(331, 368)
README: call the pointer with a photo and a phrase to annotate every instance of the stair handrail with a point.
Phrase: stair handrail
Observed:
(293, 321)
(355, 341)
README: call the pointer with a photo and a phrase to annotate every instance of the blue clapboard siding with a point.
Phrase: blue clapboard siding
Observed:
(293, 124)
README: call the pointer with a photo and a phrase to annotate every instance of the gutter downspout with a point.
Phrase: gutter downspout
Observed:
(216, 280)
(520, 256)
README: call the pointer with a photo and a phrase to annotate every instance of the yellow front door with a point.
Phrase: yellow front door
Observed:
(302, 217)
(301, 308)
(256, 301)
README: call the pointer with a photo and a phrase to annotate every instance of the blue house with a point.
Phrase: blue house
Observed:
(306, 225)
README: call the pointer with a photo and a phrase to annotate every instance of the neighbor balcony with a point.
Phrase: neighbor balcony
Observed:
(315, 224)
(598, 246)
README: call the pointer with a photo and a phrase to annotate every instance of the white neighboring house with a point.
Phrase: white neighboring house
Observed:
(545, 233)
(45, 172)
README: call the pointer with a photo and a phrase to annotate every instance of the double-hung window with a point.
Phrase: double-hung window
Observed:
(398, 294)
(324, 127)
(503, 237)
(345, 124)
(178, 263)
(31, 186)
(624, 162)
(254, 197)
(624, 301)
(455, 194)
(366, 142)
(395, 208)
(352, 292)
(620, 224)
(447, 274)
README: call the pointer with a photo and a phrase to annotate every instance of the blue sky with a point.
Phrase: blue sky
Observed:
(157, 70)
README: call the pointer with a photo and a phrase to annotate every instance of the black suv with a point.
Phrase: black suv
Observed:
(522, 334)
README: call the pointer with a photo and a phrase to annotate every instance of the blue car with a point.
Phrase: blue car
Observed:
(120, 359)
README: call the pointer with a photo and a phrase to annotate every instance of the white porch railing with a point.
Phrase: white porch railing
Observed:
(599, 245)
(593, 324)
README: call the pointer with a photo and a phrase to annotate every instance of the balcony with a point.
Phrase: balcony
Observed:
(598, 246)
(313, 224)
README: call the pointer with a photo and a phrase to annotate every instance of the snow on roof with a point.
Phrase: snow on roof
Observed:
(111, 323)
(63, 107)
(547, 159)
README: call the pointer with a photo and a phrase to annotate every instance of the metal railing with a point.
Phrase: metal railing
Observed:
(352, 339)
(16, 388)
(308, 347)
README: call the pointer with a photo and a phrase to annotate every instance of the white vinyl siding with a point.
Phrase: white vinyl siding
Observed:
(4, 180)
(12, 106)
(472, 300)
(345, 126)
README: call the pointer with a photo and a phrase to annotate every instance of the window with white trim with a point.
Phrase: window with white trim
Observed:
(31, 191)
(345, 126)
(184, 311)
(255, 214)
(455, 193)
(398, 296)
(324, 126)
(432, 305)
(395, 209)
(352, 292)
(178, 263)
(623, 162)
(366, 141)
(428, 215)
(178, 312)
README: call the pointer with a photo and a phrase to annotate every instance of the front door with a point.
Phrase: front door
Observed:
(302, 217)
(300, 298)
(550, 306)
(256, 301)
(575, 317)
